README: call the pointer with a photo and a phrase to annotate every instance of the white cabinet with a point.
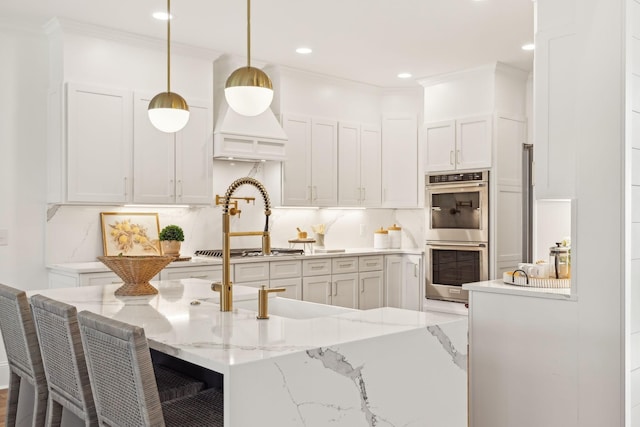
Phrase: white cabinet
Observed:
(65, 279)
(253, 274)
(399, 161)
(318, 285)
(371, 287)
(359, 164)
(288, 275)
(555, 67)
(213, 273)
(172, 167)
(458, 144)
(99, 136)
(404, 281)
(310, 172)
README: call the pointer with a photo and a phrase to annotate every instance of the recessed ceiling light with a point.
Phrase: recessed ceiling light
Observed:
(404, 75)
(162, 16)
(304, 50)
(529, 46)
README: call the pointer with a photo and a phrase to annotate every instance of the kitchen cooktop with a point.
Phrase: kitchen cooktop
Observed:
(248, 252)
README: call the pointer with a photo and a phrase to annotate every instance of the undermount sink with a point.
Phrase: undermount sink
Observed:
(294, 309)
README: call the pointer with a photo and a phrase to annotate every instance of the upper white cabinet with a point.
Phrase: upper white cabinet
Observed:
(172, 168)
(99, 139)
(458, 144)
(359, 164)
(399, 161)
(554, 130)
(310, 172)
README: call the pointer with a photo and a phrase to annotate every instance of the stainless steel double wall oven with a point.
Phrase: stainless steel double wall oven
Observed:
(457, 233)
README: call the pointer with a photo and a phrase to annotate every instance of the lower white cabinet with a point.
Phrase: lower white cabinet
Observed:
(371, 287)
(288, 275)
(201, 272)
(71, 280)
(339, 289)
(404, 281)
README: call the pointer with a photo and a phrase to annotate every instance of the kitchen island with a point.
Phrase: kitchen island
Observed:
(314, 365)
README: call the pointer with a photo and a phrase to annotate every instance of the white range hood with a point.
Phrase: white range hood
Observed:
(248, 138)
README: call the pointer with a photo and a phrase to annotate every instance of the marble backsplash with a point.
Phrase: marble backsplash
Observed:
(74, 232)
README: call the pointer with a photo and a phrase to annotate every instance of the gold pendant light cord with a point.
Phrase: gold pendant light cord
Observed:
(168, 46)
(248, 33)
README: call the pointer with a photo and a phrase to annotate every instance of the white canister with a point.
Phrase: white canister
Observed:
(395, 237)
(381, 239)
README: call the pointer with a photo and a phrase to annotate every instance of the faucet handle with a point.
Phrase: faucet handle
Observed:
(216, 286)
(263, 300)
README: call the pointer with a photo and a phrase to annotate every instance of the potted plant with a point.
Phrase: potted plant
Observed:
(170, 238)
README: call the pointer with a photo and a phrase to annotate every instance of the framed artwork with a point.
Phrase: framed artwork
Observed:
(130, 233)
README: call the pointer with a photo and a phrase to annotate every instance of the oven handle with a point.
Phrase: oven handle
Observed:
(456, 244)
(449, 186)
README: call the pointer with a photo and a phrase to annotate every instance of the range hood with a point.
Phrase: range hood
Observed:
(254, 138)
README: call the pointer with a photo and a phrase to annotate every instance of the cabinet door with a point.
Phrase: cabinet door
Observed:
(317, 289)
(296, 170)
(324, 162)
(251, 272)
(554, 133)
(400, 161)
(393, 280)
(99, 144)
(370, 165)
(371, 288)
(345, 290)
(440, 141)
(349, 188)
(193, 162)
(153, 158)
(293, 287)
(411, 284)
(473, 140)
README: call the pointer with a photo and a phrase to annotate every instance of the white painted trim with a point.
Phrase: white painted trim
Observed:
(4, 374)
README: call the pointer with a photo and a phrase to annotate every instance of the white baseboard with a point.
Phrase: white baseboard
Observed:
(4, 374)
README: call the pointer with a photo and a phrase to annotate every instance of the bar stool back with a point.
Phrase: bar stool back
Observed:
(23, 353)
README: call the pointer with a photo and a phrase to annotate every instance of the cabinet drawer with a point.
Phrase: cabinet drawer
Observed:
(206, 273)
(251, 272)
(285, 269)
(370, 263)
(88, 279)
(316, 267)
(344, 265)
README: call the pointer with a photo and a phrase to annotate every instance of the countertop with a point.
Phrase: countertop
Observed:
(499, 287)
(98, 267)
(185, 321)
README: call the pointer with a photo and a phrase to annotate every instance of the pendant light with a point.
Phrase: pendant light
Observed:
(168, 111)
(248, 90)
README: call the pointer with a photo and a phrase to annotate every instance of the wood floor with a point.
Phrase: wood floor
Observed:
(3, 406)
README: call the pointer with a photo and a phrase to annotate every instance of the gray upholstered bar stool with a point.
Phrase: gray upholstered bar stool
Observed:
(122, 380)
(23, 354)
(66, 368)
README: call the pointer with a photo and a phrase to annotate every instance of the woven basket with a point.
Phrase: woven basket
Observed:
(135, 272)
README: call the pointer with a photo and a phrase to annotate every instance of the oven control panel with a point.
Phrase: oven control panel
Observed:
(458, 177)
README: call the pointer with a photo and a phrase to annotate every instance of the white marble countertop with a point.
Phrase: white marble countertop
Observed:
(499, 287)
(98, 267)
(185, 321)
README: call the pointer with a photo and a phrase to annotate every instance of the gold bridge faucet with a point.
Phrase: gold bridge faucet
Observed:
(226, 287)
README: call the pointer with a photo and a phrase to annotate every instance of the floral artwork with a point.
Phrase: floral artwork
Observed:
(130, 233)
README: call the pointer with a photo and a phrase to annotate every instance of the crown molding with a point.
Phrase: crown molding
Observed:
(64, 25)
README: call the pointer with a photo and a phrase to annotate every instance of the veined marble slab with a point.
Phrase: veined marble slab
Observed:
(377, 367)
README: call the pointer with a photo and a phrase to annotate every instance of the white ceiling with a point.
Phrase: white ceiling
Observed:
(364, 40)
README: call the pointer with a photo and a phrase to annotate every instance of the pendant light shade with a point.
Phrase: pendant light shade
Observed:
(168, 111)
(248, 90)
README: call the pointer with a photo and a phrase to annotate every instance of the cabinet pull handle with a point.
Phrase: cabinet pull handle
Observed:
(415, 270)
(364, 194)
(330, 287)
(458, 157)
(335, 287)
(180, 187)
(451, 157)
(315, 192)
(361, 286)
(316, 267)
(310, 198)
(171, 189)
